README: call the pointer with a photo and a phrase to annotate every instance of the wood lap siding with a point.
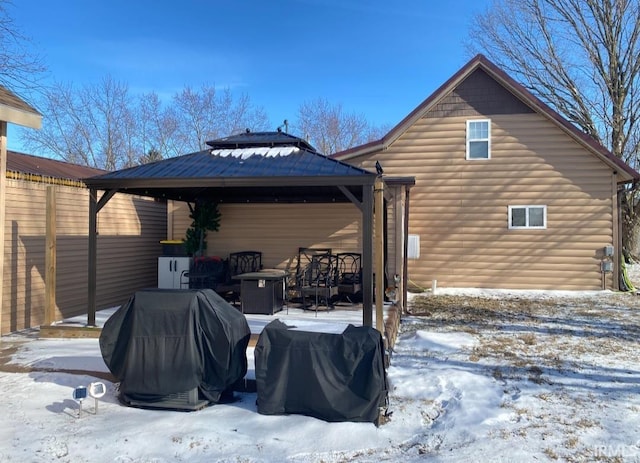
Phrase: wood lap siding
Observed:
(130, 229)
(459, 207)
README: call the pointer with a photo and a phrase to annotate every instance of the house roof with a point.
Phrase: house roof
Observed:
(255, 167)
(624, 171)
(17, 111)
(45, 167)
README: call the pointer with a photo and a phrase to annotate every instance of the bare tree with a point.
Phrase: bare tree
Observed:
(196, 110)
(238, 114)
(92, 126)
(330, 129)
(103, 126)
(207, 114)
(582, 57)
(158, 127)
(20, 68)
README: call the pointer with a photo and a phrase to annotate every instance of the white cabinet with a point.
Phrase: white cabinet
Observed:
(170, 272)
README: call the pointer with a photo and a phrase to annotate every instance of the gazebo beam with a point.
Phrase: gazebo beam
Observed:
(351, 197)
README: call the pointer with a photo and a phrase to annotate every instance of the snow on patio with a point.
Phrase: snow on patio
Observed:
(481, 376)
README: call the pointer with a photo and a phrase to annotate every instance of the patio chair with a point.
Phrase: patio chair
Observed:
(350, 276)
(295, 272)
(305, 256)
(238, 263)
(319, 281)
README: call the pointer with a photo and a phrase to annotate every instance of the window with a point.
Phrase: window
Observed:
(479, 139)
(527, 217)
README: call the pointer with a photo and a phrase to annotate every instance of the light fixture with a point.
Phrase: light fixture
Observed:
(79, 394)
(95, 390)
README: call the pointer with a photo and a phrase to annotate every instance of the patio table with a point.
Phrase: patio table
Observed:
(262, 292)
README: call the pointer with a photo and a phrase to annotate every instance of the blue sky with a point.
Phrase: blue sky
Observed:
(380, 58)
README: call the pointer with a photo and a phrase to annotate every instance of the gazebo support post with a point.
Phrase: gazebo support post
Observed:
(50, 259)
(94, 208)
(367, 255)
(93, 256)
(379, 252)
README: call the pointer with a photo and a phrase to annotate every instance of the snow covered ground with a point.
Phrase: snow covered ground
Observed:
(488, 376)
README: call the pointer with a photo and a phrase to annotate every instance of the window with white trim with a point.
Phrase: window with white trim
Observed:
(479, 139)
(528, 217)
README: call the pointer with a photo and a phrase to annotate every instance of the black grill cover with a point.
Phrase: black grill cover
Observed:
(334, 377)
(168, 341)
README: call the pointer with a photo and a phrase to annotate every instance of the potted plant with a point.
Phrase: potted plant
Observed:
(205, 217)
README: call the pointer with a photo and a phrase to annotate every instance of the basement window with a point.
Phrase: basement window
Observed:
(479, 139)
(527, 217)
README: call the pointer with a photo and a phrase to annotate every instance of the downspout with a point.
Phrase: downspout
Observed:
(617, 274)
(385, 227)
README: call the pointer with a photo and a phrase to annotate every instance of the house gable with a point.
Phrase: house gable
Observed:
(498, 86)
(478, 95)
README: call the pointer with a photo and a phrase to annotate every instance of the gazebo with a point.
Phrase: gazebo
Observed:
(253, 167)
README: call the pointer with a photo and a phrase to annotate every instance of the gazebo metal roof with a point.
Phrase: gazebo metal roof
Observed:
(262, 139)
(250, 167)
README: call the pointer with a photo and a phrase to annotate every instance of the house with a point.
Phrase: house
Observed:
(130, 230)
(508, 193)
